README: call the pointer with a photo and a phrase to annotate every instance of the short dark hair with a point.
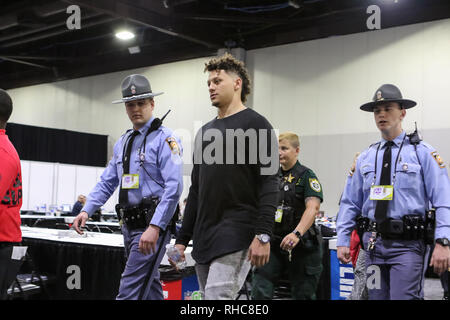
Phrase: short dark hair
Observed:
(229, 63)
(6, 106)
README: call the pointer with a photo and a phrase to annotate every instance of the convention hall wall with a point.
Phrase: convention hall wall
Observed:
(313, 88)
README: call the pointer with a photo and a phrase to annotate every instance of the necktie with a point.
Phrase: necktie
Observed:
(382, 205)
(123, 193)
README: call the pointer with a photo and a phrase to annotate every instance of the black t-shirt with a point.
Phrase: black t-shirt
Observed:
(234, 188)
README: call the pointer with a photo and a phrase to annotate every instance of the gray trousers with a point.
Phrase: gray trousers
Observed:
(396, 269)
(223, 277)
(139, 266)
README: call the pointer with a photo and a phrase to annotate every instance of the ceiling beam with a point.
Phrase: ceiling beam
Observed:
(235, 18)
(139, 15)
(25, 63)
(48, 27)
(54, 33)
(35, 58)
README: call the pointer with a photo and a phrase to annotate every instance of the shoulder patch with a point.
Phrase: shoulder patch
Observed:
(438, 159)
(315, 184)
(353, 167)
(173, 145)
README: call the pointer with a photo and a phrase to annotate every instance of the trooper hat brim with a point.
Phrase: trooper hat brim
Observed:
(404, 103)
(137, 97)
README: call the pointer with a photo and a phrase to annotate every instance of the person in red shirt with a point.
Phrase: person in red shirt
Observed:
(10, 200)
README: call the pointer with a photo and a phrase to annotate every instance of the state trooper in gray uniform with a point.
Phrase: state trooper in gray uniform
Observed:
(395, 181)
(147, 167)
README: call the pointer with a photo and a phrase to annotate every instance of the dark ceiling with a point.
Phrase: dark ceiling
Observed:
(36, 46)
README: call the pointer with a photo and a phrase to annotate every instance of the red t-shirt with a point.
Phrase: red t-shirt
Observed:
(10, 191)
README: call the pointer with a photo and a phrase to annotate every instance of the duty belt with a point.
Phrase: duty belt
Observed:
(410, 227)
(138, 216)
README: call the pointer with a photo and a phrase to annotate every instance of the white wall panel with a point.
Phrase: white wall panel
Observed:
(25, 167)
(41, 184)
(86, 178)
(65, 186)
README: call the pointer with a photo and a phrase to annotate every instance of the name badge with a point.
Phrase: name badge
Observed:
(381, 192)
(279, 214)
(130, 181)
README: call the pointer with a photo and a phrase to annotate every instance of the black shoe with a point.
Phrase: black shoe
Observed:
(445, 296)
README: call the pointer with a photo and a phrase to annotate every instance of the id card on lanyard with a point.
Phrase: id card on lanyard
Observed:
(384, 192)
(381, 192)
(130, 181)
(279, 214)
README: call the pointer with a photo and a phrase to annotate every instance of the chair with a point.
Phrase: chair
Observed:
(29, 284)
(100, 228)
(23, 286)
(45, 223)
(105, 229)
(62, 226)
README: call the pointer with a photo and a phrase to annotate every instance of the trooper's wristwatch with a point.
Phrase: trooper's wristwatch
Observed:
(443, 242)
(263, 238)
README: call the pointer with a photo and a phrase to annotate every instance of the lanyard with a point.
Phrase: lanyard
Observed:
(396, 161)
(125, 145)
(142, 148)
(153, 127)
(141, 154)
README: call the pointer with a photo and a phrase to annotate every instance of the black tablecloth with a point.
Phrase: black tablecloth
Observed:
(100, 267)
(324, 286)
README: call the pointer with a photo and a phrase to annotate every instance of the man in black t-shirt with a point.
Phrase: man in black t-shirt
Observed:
(230, 209)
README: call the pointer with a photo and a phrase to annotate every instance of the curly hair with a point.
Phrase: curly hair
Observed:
(228, 63)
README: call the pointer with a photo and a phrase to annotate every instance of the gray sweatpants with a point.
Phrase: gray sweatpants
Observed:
(359, 290)
(223, 277)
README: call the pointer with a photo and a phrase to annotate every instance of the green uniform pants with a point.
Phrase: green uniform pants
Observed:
(303, 273)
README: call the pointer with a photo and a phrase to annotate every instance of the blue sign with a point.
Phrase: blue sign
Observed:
(341, 278)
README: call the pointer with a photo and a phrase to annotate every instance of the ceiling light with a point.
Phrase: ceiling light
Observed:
(125, 35)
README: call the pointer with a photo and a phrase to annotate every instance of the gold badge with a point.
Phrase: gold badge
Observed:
(438, 159)
(173, 145)
(379, 96)
(315, 185)
(289, 178)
